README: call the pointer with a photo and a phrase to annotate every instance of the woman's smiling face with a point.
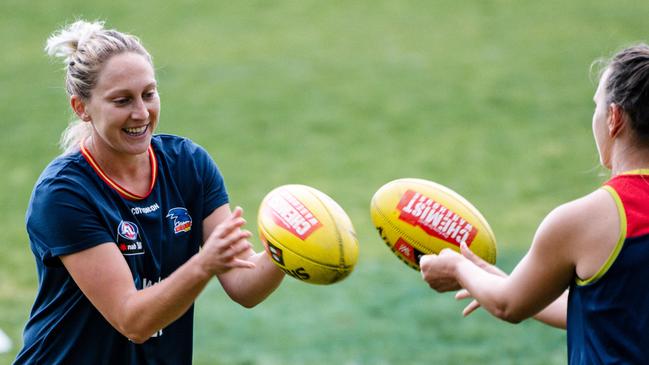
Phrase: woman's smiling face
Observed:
(124, 105)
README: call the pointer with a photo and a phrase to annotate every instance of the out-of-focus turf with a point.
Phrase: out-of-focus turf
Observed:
(491, 98)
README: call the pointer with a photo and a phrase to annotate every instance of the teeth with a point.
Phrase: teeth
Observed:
(138, 130)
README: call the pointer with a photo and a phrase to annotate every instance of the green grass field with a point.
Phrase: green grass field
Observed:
(489, 97)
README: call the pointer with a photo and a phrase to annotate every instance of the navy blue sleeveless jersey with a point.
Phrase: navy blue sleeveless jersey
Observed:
(608, 314)
(75, 206)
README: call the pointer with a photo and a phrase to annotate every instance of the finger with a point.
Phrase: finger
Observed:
(425, 261)
(241, 263)
(234, 218)
(224, 241)
(466, 252)
(231, 224)
(477, 260)
(462, 294)
(235, 243)
(240, 247)
(237, 211)
(447, 251)
(470, 308)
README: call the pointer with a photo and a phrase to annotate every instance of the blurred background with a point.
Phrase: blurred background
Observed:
(492, 98)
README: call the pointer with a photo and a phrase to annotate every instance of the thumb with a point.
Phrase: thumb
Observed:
(424, 259)
(478, 261)
(466, 252)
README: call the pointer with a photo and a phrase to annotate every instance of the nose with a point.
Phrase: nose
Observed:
(140, 110)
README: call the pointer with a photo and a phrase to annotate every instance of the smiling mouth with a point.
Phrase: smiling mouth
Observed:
(136, 132)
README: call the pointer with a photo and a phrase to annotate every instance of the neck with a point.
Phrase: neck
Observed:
(122, 167)
(628, 157)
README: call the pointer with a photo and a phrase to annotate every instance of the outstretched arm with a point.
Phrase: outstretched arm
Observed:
(554, 314)
(574, 240)
(542, 275)
(246, 286)
(104, 277)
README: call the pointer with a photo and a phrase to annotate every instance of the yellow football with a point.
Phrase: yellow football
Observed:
(307, 234)
(416, 217)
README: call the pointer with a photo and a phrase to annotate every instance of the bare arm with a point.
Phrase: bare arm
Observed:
(104, 277)
(553, 315)
(574, 240)
(532, 286)
(247, 287)
(541, 276)
(556, 313)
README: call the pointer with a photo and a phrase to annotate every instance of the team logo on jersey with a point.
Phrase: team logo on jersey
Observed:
(181, 220)
(128, 239)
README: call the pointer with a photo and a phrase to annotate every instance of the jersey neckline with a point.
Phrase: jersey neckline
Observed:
(635, 172)
(113, 184)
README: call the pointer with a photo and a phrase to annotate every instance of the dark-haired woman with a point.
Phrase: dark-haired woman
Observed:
(588, 265)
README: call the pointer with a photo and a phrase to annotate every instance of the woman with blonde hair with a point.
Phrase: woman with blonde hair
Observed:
(127, 227)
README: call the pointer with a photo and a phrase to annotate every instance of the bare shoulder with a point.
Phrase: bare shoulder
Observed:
(585, 212)
(584, 230)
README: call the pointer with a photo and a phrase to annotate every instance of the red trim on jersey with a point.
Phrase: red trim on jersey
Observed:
(633, 190)
(113, 184)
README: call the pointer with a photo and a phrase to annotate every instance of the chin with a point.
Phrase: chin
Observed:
(137, 148)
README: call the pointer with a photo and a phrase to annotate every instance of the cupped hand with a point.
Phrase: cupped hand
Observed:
(439, 270)
(220, 252)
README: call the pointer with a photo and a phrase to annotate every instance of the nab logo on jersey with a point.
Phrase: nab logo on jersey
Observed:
(180, 219)
(128, 239)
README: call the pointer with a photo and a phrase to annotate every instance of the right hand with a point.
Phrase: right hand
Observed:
(223, 248)
(439, 270)
(484, 265)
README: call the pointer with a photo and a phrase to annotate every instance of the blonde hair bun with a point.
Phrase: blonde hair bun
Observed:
(66, 41)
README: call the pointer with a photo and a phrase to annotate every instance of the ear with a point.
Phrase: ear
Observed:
(79, 108)
(616, 120)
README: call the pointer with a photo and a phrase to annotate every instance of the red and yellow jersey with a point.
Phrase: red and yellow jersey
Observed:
(608, 314)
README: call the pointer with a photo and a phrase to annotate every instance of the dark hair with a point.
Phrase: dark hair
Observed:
(628, 86)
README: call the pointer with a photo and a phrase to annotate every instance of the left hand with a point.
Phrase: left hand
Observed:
(464, 294)
(222, 249)
(439, 270)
